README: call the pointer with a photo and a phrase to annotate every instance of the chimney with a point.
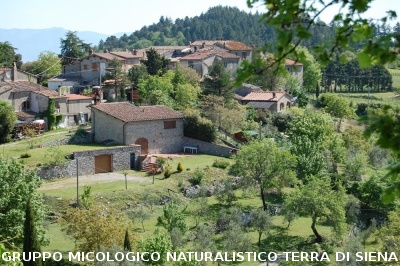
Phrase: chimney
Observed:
(224, 44)
(203, 45)
(14, 72)
(134, 52)
(105, 50)
(90, 51)
(273, 95)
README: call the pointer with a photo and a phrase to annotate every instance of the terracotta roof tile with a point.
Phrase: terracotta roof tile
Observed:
(130, 113)
(107, 56)
(234, 46)
(26, 86)
(128, 54)
(198, 56)
(76, 97)
(289, 62)
(264, 96)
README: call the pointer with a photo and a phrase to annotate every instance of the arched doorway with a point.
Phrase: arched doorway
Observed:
(281, 106)
(288, 105)
(144, 143)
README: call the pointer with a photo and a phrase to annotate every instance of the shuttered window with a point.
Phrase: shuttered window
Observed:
(169, 124)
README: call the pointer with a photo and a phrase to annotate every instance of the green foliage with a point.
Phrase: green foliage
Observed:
(172, 218)
(197, 177)
(137, 73)
(48, 65)
(265, 165)
(225, 193)
(355, 164)
(31, 240)
(311, 69)
(127, 241)
(95, 228)
(351, 28)
(200, 128)
(158, 242)
(180, 167)
(281, 120)
(25, 155)
(50, 114)
(218, 81)
(167, 172)
(223, 164)
(261, 222)
(16, 186)
(7, 121)
(322, 203)
(371, 193)
(139, 214)
(155, 63)
(8, 55)
(55, 157)
(86, 197)
(309, 133)
(72, 48)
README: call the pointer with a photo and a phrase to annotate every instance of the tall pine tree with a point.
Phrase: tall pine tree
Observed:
(31, 243)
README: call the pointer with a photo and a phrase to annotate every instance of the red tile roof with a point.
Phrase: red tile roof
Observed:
(264, 96)
(107, 56)
(129, 54)
(289, 62)
(234, 46)
(198, 56)
(130, 113)
(76, 97)
(26, 86)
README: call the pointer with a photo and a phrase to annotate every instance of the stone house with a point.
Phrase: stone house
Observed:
(294, 68)
(199, 61)
(157, 128)
(275, 101)
(30, 100)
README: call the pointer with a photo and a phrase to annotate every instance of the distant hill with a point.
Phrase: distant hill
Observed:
(31, 42)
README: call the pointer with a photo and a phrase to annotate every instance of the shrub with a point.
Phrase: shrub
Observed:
(25, 155)
(223, 164)
(199, 128)
(197, 177)
(180, 167)
(167, 172)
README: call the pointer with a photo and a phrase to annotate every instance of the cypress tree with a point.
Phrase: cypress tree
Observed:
(31, 243)
(127, 242)
(317, 91)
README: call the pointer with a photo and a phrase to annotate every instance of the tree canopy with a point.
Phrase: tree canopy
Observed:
(7, 120)
(72, 48)
(16, 186)
(266, 165)
(8, 55)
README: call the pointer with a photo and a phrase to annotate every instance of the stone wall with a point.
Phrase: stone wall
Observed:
(209, 148)
(84, 162)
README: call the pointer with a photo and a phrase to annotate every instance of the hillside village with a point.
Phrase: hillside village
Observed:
(217, 147)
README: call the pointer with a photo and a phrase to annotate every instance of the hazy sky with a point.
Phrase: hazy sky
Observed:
(114, 16)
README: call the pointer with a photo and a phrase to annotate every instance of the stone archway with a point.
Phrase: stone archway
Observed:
(288, 105)
(144, 143)
(281, 106)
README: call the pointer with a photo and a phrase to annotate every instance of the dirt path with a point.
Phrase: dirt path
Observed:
(89, 180)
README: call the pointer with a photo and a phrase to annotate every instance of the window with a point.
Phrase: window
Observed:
(244, 55)
(84, 67)
(169, 124)
(26, 106)
(94, 66)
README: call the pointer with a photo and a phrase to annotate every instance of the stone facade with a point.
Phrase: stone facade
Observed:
(158, 137)
(84, 162)
(106, 127)
(160, 140)
(209, 148)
